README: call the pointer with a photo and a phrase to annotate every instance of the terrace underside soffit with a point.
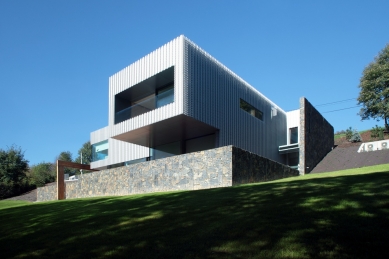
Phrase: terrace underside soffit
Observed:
(174, 129)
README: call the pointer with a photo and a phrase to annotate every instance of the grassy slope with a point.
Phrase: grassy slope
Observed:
(332, 215)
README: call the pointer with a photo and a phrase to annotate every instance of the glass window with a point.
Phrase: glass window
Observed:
(251, 109)
(135, 161)
(293, 133)
(100, 150)
(293, 159)
(200, 144)
(165, 96)
(166, 150)
(152, 93)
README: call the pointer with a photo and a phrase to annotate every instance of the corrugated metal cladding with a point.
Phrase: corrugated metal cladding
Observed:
(212, 95)
(205, 90)
(170, 54)
(119, 152)
(99, 135)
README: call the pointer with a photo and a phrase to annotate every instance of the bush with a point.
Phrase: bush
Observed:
(349, 133)
(377, 132)
(8, 190)
(13, 168)
(356, 137)
(42, 173)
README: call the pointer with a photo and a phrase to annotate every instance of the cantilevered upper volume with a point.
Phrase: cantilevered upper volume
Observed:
(179, 99)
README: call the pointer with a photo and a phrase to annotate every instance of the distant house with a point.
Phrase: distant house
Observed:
(179, 99)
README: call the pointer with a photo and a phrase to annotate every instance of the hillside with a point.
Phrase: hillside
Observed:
(312, 216)
(340, 139)
(345, 155)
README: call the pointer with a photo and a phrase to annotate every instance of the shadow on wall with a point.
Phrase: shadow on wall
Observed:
(316, 136)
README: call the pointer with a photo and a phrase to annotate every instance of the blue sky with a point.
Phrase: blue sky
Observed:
(56, 57)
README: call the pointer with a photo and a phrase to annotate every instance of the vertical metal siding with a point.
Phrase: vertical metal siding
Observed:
(166, 56)
(213, 95)
(170, 54)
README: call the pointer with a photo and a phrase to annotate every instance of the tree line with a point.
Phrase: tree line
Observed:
(17, 177)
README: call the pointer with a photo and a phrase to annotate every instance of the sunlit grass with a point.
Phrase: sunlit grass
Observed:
(341, 214)
(11, 203)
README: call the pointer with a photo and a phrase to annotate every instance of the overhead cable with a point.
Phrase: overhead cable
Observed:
(343, 109)
(324, 104)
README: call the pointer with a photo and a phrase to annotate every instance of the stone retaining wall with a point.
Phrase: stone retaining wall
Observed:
(316, 136)
(251, 168)
(47, 193)
(219, 167)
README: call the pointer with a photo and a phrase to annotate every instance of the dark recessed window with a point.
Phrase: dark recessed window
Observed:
(293, 133)
(251, 109)
(145, 96)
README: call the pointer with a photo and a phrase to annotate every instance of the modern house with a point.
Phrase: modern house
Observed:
(179, 99)
(180, 120)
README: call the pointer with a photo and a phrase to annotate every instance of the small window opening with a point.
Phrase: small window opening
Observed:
(251, 110)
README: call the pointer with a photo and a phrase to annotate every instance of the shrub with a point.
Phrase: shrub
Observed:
(356, 137)
(349, 133)
(42, 173)
(377, 132)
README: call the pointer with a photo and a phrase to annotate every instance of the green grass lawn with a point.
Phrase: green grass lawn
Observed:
(337, 136)
(331, 215)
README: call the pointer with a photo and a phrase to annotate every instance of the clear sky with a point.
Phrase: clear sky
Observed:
(56, 57)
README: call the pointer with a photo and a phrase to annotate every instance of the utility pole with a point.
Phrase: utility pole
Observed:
(81, 163)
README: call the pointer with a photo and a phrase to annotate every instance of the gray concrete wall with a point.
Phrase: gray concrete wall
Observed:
(219, 167)
(316, 136)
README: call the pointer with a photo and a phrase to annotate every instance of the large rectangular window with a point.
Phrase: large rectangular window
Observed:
(167, 150)
(165, 95)
(200, 144)
(146, 96)
(100, 150)
(251, 109)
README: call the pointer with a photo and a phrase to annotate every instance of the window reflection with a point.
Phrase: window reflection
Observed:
(251, 109)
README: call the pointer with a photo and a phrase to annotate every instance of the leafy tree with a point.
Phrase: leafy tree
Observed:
(86, 151)
(13, 166)
(67, 156)
(42, 173)
(374, 89)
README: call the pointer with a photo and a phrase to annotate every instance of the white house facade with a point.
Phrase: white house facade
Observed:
(179, 99)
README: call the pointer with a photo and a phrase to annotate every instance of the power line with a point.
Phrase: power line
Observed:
(331, 103)
(343, 109)
(324, 104)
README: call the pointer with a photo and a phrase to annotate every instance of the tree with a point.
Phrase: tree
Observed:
(42, 173)
(86, 151)
(13, 166)
(374, 89)
(66, 156)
